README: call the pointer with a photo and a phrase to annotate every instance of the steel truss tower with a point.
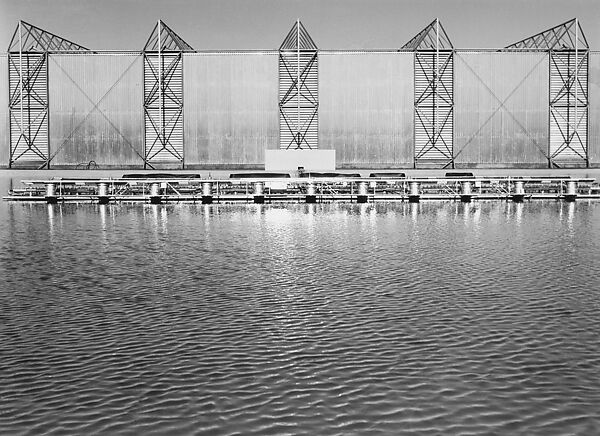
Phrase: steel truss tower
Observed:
(163, 97)
(434, 96)
(298, 90)
(569, 54)
(28, 92)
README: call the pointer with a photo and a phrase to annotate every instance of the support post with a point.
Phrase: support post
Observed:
(465, 192)
(363, 192)
(311, 193)
(103, 197)
(259, 194)
(413, 194)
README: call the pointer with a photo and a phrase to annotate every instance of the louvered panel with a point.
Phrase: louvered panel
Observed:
(163, 108)
(433, 107)
(568, 107)
(567, 143)
(298, 118)
(28, 107)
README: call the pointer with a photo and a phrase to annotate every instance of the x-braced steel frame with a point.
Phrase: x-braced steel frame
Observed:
(28, 92)
(298, 91)
(163, 96)
(434, 96)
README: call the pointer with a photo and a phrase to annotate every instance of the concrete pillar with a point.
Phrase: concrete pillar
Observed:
(363, 192)
(103, 197)
(51, 193)
(207, 197)
(571, 193)
(465, 192)
(155, 197)
(259, 194)
(311, 193)
(519, 193)
(413, 193)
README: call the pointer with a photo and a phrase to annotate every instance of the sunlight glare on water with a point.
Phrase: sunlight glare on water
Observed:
(433, 318)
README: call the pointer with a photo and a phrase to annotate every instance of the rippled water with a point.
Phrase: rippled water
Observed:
(433, 318)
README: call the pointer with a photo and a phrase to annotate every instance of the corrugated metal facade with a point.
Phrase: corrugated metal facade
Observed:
(501, 109)
(4, 129)
(594, 109)
(231, 110)
(366, 108)
(96, 109)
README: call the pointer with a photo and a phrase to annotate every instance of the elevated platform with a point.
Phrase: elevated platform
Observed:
(258, 189)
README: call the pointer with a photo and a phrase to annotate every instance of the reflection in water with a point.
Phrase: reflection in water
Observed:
(315, 319)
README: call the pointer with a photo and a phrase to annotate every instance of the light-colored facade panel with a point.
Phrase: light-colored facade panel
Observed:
(366, 108)
(96, 110)
(594, 109)
(4, 126)
(230, 108)
(501, 109)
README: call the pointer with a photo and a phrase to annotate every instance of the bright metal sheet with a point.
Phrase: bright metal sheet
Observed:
(594, 109)
(4, 128)
(230, 107)
(366, 108)
(501, 108)
(96, 109)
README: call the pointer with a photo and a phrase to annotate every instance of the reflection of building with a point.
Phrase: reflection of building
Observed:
(426, 104)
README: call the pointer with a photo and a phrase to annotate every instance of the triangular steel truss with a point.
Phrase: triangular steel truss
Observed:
(28, 92)
(568, 51)
(298, 39)
(434, 96)
(298, 90)
(432, 37)
(163, 38)
(565, 36)
(163, 96)
(29, 38)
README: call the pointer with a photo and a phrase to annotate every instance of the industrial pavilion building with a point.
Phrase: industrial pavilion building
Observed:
(426, 104)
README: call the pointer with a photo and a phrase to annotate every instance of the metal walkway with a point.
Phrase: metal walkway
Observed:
(303, 190)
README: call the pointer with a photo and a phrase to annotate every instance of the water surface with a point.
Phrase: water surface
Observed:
(432, 318)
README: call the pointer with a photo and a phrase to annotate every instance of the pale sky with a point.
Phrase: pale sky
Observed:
(263, 24)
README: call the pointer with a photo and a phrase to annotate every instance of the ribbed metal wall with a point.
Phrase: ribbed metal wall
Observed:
(230, 108)
(501, 109)
(96, 109)
(594, 109)
(366, 108)
(4, 129)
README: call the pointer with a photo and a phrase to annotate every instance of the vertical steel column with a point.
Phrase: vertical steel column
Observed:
(298, 90)
(163, 100)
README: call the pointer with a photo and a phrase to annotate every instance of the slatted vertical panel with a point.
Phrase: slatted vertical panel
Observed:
(594, 109)
(568, 107)
(28, 107)
(298, 99)
(163, 108)
(434, 106)
(4, 129)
